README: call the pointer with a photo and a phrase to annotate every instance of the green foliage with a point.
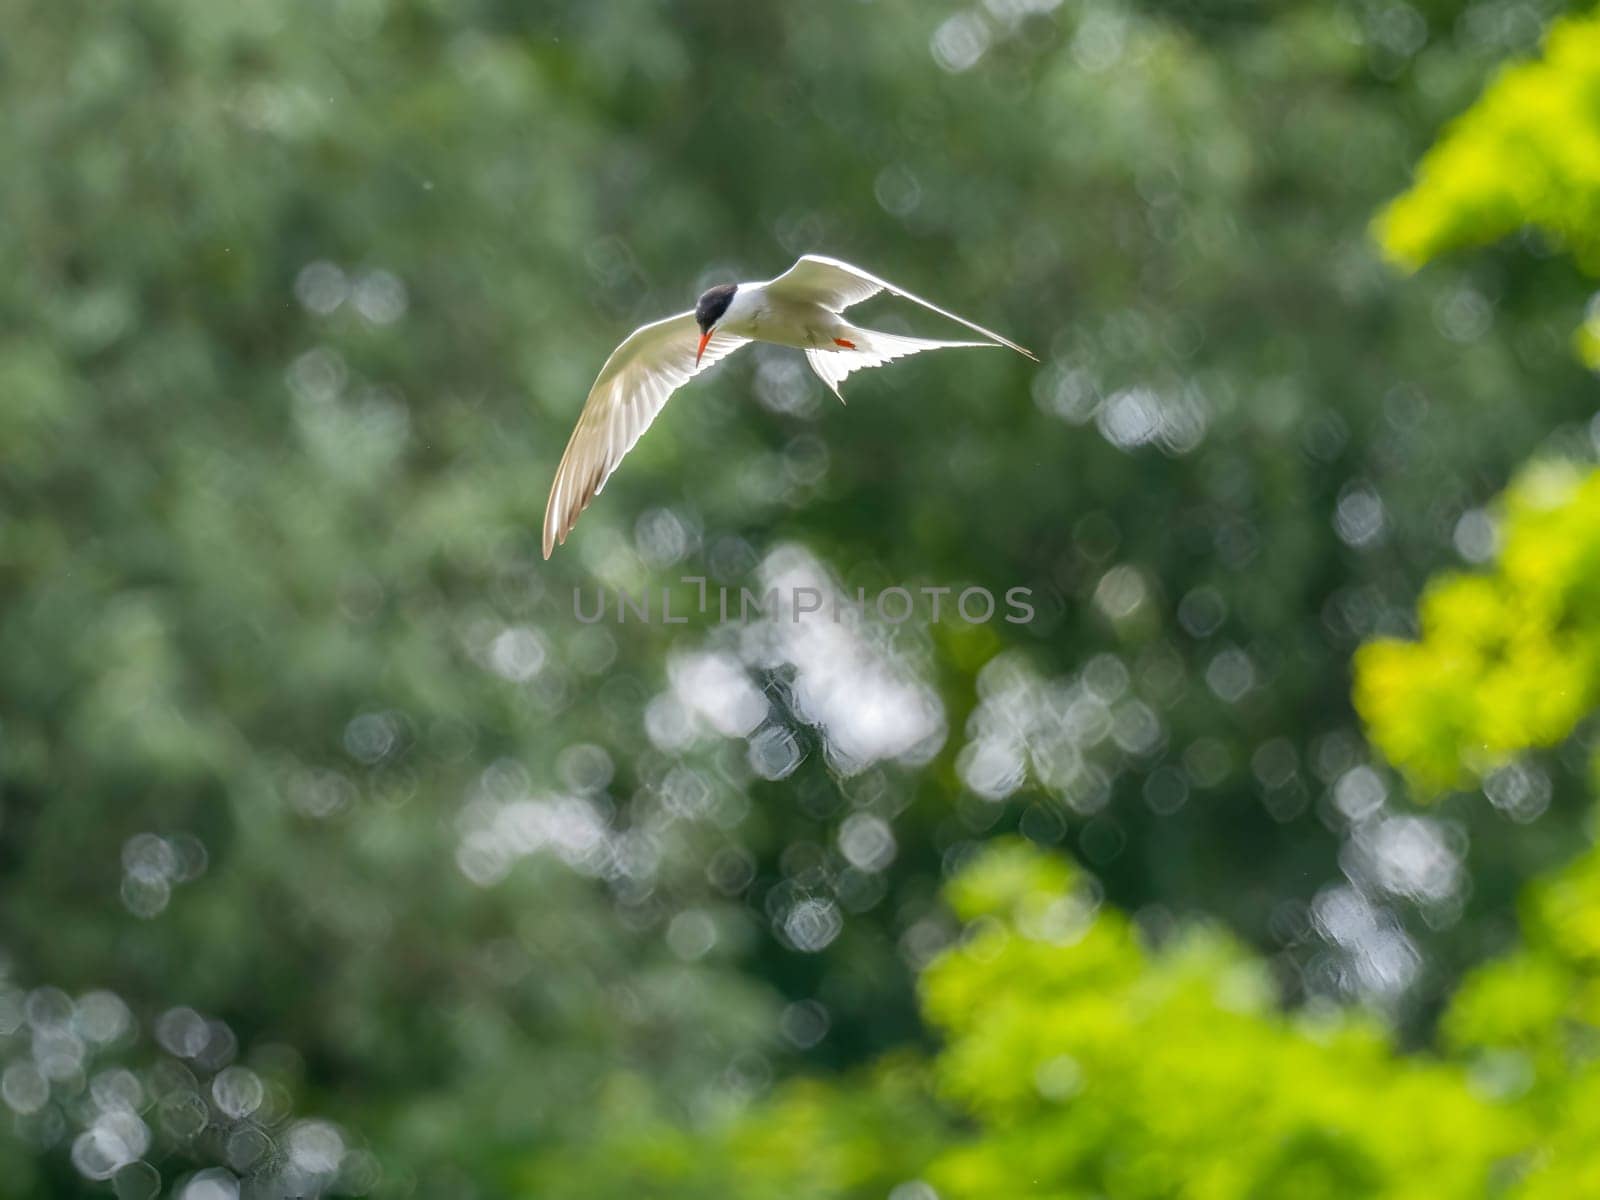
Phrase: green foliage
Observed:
(1526, 154)
(813, 1140)
(1529, 1026)
(1096, 1067)
(1076, 1061)
(1507, 660)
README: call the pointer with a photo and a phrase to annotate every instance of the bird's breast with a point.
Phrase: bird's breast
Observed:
(763, 318)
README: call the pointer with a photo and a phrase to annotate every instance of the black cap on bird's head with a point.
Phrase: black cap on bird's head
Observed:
(712, 304)
(708, 311)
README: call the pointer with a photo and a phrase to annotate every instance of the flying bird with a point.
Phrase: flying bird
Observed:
(803, 308)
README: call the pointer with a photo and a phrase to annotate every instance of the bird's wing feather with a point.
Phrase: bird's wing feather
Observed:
(834, 285)
(872, 349)
(640, 376)
(837, 285)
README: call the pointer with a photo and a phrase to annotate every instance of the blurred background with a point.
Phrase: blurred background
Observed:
(338, 858)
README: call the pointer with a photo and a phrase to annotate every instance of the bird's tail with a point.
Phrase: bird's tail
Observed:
(857, 349)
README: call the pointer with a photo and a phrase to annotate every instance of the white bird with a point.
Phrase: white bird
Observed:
(803, 307)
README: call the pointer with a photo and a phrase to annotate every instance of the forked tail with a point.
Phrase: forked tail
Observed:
(857, 349)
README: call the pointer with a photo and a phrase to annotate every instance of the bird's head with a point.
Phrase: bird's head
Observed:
(708, 311)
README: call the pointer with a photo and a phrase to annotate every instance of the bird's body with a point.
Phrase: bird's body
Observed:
(803, 308)
(760, 315)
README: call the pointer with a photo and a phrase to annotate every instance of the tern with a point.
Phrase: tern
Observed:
(803, 308)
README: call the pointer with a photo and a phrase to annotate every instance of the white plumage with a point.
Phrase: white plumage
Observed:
(803, 308)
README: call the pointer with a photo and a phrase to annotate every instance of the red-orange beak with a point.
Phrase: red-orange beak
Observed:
(704, 338)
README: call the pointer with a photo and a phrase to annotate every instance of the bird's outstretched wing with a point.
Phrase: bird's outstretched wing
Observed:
(837, 285)
(653, 362)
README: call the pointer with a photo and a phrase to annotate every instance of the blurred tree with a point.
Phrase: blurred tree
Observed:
(1079, 1062)
(1508, 661)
